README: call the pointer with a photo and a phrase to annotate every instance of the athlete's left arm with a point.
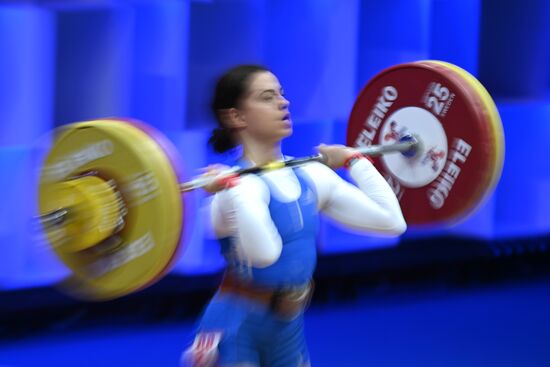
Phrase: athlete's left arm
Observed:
(372, 206)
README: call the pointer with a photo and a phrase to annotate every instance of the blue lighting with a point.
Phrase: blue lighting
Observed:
(66, 61)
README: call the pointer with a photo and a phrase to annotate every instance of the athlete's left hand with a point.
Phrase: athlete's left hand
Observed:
(336, 155)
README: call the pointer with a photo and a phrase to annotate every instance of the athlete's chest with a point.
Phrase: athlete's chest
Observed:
(293, 202)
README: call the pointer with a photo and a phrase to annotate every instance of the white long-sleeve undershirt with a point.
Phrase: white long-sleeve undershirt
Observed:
(242, 212)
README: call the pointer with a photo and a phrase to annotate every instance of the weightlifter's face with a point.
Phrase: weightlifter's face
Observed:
(264, 109)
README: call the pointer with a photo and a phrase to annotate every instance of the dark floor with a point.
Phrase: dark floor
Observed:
(480, 311)
(505, 325)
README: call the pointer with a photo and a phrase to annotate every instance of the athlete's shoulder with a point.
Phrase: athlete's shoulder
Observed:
(317, 170)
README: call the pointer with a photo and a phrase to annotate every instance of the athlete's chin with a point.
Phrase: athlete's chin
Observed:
(281, 132)
(286, 131)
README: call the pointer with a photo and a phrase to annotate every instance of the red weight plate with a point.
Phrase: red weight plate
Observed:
(448, 174)
(489, 109)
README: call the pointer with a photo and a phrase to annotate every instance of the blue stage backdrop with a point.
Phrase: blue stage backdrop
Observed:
(67, 60)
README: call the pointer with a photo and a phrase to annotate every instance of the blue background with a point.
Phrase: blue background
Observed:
(67, 61)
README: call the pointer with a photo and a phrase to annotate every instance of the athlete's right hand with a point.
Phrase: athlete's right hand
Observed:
(222, 178)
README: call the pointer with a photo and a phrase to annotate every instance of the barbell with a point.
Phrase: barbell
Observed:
(112, 201)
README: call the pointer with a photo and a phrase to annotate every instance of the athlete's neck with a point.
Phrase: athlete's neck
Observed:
(259, 154)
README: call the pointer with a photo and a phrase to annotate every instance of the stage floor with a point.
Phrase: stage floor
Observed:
(505, 325)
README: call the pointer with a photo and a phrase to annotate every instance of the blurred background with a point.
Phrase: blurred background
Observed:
(476, 293)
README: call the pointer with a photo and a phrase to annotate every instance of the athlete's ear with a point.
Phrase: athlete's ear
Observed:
(233, 118)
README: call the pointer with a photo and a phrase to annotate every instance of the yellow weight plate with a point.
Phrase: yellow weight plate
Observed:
(119, 152)
(94, 212)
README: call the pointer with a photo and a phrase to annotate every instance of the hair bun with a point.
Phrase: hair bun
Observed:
(221, 140)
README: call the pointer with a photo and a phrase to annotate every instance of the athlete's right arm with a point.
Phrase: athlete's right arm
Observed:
(242, 213)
